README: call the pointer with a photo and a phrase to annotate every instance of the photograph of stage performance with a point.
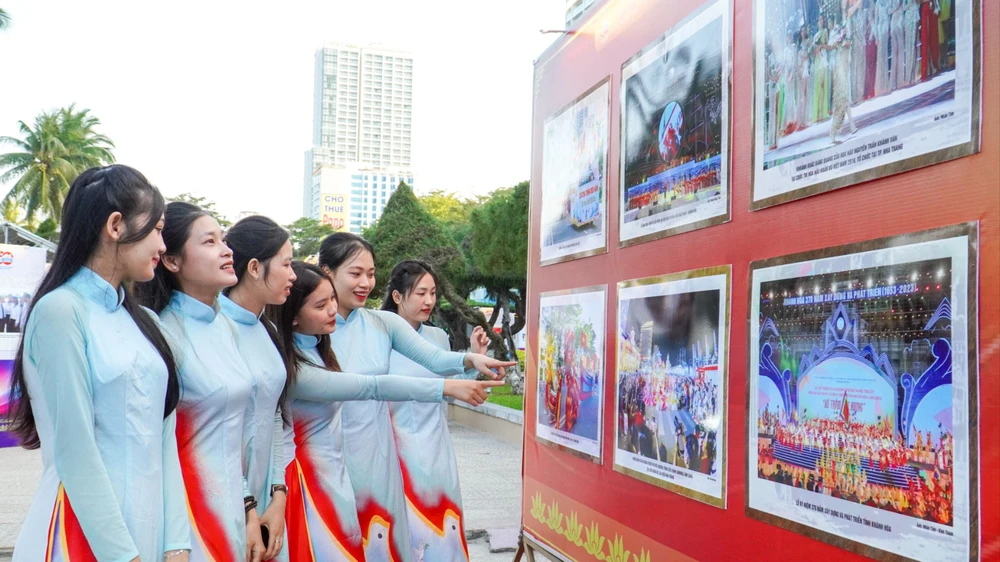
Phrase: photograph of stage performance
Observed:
(888, 79)
(675, 104)
(671, 384)
(574, 178)
(854, 401)
(571, 369)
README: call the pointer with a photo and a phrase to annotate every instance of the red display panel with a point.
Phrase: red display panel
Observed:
(588, 511)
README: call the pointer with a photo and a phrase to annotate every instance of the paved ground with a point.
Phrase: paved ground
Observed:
(490, 471)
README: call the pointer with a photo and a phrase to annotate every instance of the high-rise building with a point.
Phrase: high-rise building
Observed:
(362, 124)
(575, 9)
(351, 197)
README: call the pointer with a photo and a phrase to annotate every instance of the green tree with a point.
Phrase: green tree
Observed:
(499, 255)
(445, 207)
(205, 203)
(49, 156)
(453, 213)
(4, 19)
(307, 234)
(407, 230)
(48, 229)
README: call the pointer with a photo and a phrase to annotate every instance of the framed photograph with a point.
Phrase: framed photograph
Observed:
(862, 395)
(675, 130)
(574, 178)
(571, 370)
(847, 91)
(672, 379)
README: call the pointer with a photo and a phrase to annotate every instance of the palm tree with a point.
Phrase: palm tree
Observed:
(59, 146)
(4, 19)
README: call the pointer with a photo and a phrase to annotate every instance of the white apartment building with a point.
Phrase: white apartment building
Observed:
(362, 122)
(352, 197)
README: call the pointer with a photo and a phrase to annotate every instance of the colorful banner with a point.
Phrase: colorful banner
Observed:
(571, 370)
(672, 380)
(675, 130)
(21, 269)
(859, 394)
(574, 178)
(849, 91)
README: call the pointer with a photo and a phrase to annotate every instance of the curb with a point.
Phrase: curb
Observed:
(492, 410)
(500, 422)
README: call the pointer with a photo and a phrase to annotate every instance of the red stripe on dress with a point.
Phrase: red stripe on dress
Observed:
(434, 513)
(208, 529)
(78, 549)
(296, 523)
(325, 508)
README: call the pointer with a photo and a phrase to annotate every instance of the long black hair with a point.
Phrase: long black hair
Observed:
(177, 221)
(93, 197)
(307, 278)
(258, 238)
(337, 248)
(403, 278)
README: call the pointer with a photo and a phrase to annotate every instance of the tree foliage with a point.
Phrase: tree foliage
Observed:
(453, 213)
(49, 230)
(4, 19)
(500, 234)
(471, 244)
(406, 230)
(49, 155)
(205, 203)
(499, 255)
(306, 236)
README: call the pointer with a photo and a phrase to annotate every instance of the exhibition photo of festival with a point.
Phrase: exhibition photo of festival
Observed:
(571, 370)
(851, 86)
(859, 386)
(675, 132)
(672, 383)
(575, 178)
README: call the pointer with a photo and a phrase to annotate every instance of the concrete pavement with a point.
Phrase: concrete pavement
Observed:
(489, 468)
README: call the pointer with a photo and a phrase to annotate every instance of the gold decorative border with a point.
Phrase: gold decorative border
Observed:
(726, 270)
(589, 538)
(603, 289)
(970, 230)
(912, 163)
(727, 78)
(607, 166)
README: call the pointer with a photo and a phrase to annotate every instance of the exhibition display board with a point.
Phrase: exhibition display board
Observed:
(764, 262)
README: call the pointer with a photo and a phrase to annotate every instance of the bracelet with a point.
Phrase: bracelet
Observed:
(172, 553)
(249, 503)
(279, 488)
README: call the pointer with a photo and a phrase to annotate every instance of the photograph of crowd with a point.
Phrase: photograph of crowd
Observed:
(855, 397)
(675, 128)
(888, 79)
(671, 383)
(841, 65)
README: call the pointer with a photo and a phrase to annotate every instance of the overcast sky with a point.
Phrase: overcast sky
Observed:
(216, 97)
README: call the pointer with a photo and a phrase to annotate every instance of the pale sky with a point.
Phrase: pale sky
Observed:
(215, 97)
